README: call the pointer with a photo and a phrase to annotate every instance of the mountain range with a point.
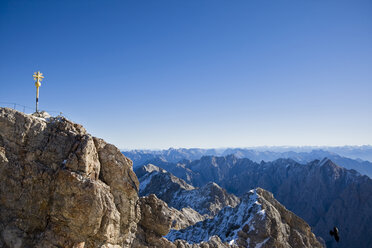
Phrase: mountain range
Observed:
(143, 157)
(320, 192)
(255, 220)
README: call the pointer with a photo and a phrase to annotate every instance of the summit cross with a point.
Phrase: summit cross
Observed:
(38, 76)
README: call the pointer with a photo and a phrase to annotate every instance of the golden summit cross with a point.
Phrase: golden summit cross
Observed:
(38, 76)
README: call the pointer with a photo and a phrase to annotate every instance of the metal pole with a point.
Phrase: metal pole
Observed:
(37, 99)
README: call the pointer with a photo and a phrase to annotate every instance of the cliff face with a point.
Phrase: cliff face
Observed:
(61, 187)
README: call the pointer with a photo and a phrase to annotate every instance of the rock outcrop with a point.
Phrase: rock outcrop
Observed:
(61, 187)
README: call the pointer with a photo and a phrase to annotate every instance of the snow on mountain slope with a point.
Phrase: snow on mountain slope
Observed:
(207, 200)
(258, 221)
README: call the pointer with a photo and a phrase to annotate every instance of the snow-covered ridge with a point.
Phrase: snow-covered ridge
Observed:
(226, 224)
(207, 200)
(258, 221)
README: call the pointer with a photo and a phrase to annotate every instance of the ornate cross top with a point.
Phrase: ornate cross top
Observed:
(38, 76)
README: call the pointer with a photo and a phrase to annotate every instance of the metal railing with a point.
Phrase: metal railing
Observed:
(27, 109)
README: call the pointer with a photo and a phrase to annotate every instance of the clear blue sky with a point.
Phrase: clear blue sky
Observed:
(196, 73)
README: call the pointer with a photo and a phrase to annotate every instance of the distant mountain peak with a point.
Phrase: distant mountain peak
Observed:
(325, 161)
(208, 199)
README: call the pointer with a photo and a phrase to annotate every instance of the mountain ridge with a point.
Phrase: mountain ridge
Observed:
(258, 213)
(207, 200)
(243, 224)
(145, 157)
(318, 191)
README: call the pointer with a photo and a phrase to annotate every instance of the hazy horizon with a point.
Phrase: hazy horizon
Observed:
(253, 147)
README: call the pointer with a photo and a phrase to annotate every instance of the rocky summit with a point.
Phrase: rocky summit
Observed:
(62, 187)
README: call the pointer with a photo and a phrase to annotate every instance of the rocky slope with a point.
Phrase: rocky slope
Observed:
(207, 200)
(258, 221)
(61, 187)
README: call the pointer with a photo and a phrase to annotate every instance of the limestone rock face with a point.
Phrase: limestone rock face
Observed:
(156, 222)
(117, 173)
(185, 217)
(156, 215)
(61, 187)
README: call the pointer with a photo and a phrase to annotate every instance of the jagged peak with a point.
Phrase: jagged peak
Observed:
(325, 161)
(148, 173)
(211, 185)
(150, 168)
(284, 161)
